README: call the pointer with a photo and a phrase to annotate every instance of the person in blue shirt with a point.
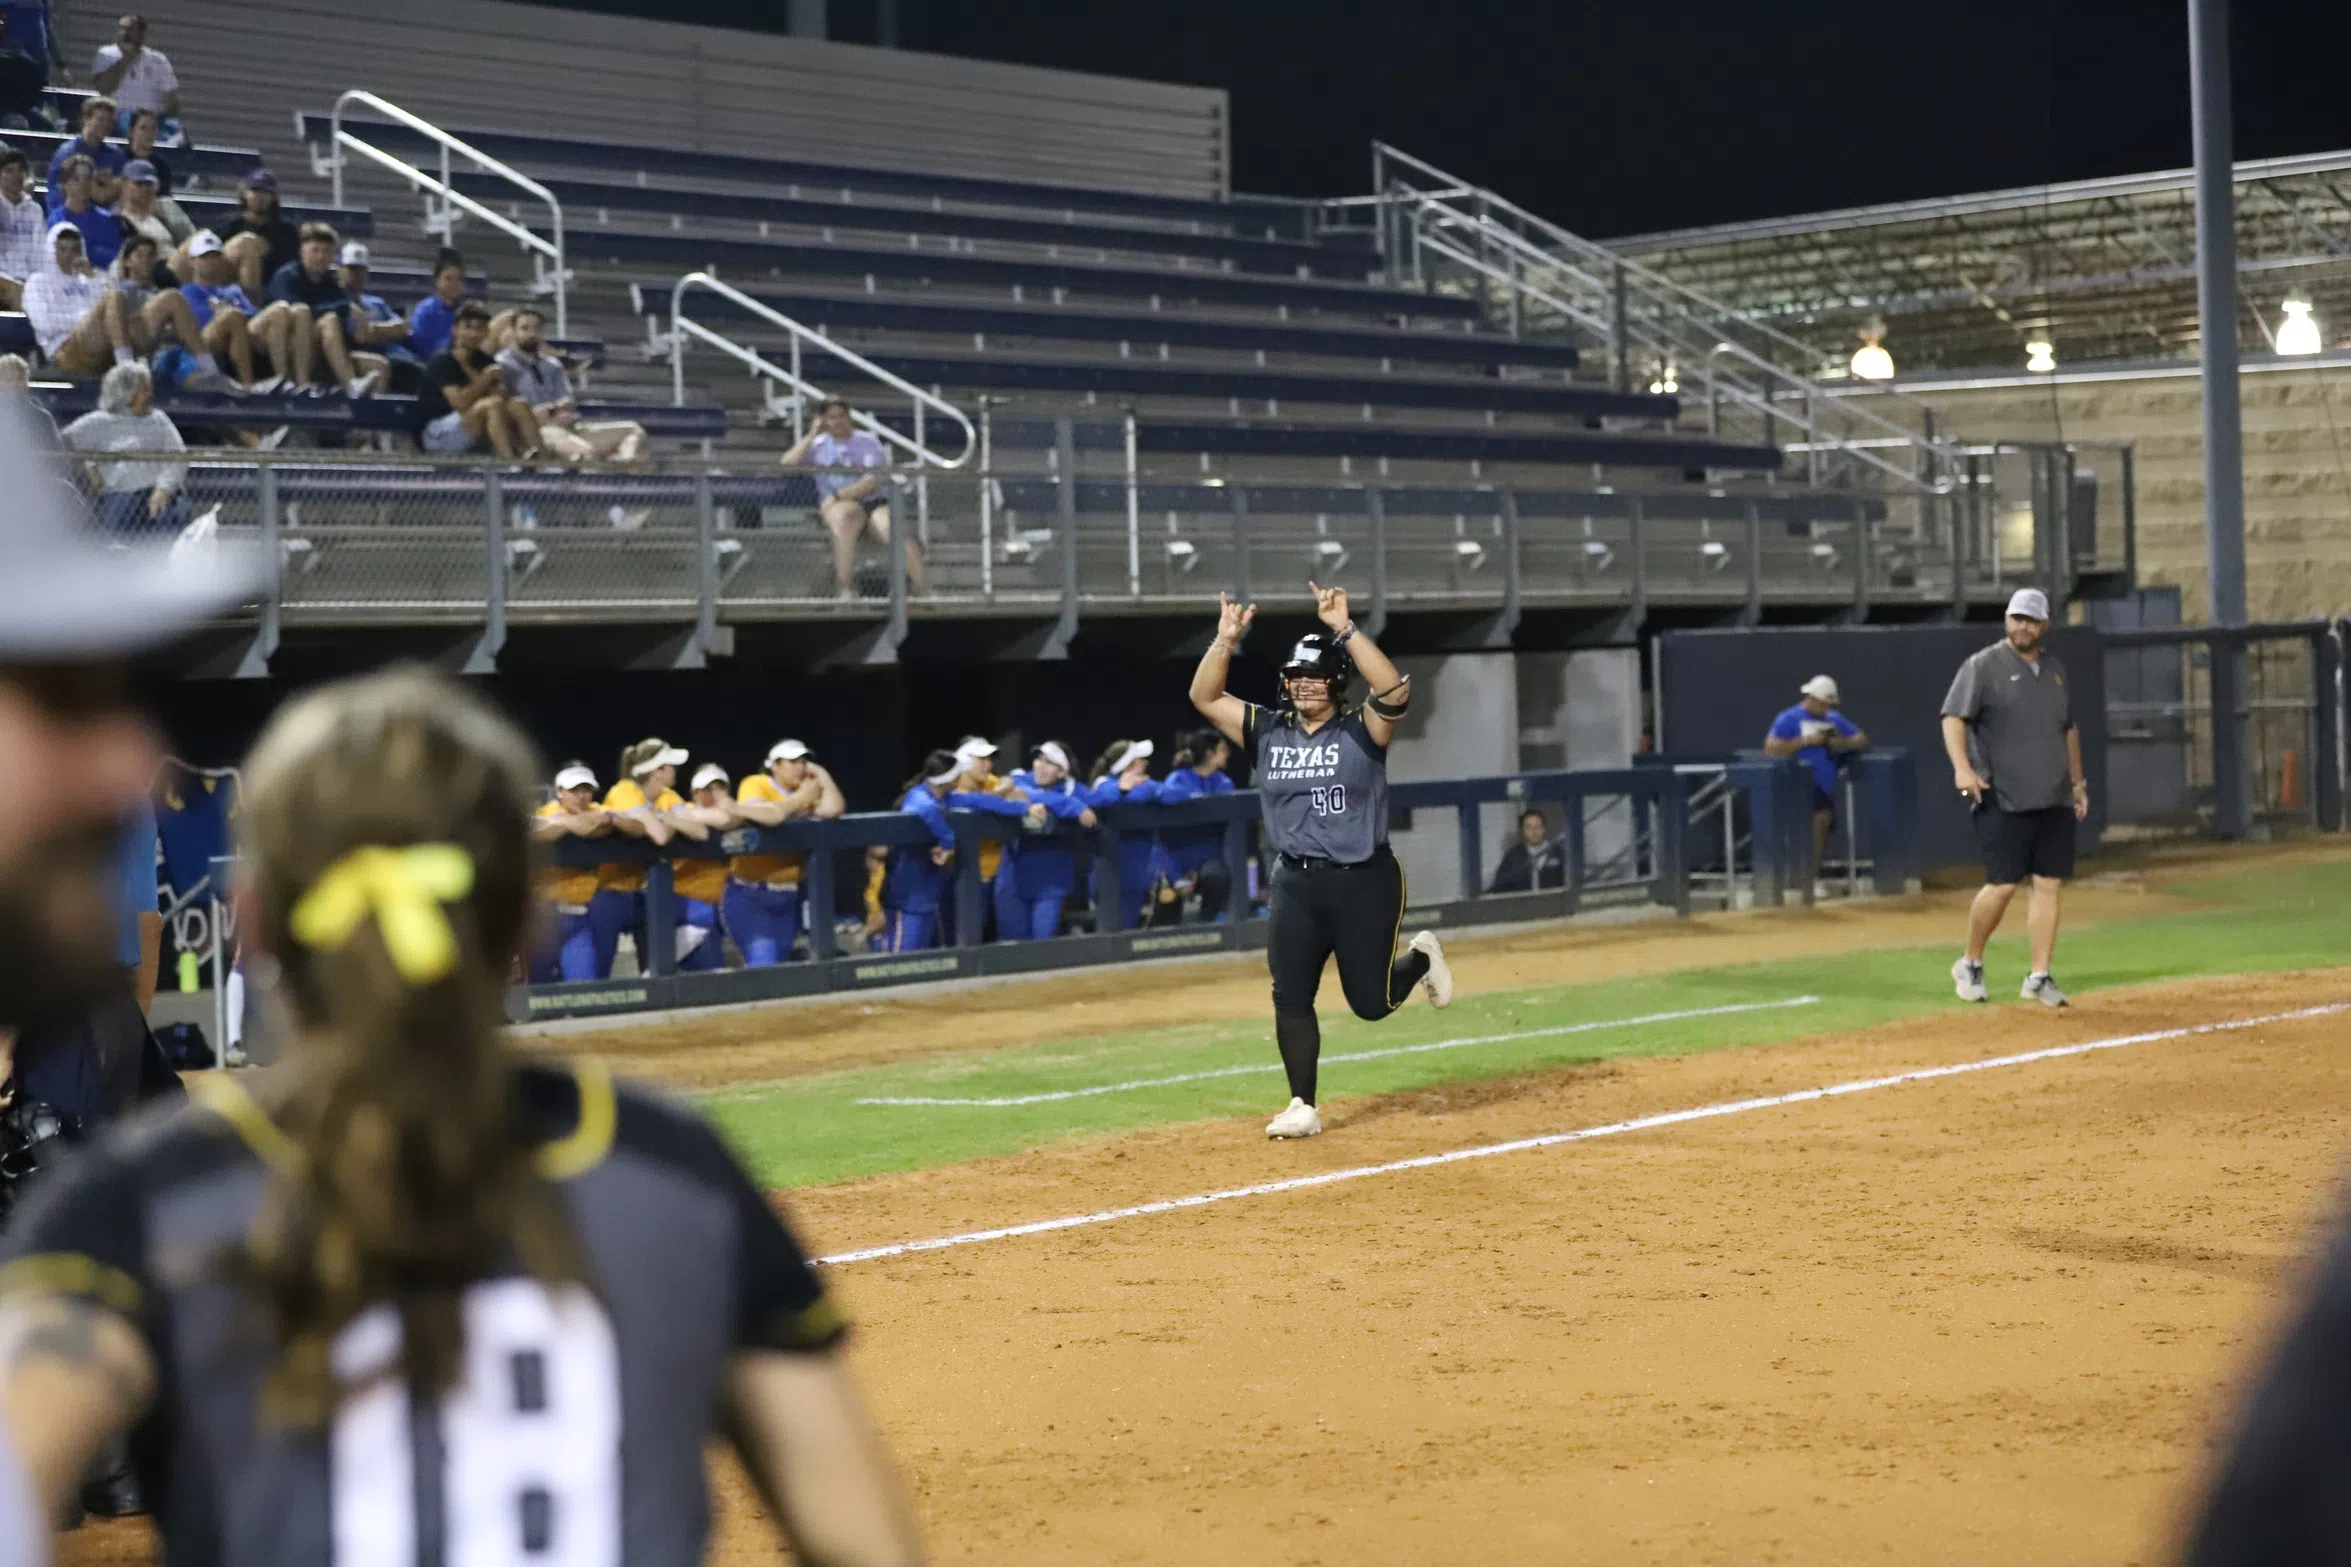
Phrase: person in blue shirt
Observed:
(919, 875)
(1122, 776)
(1191, 859)
(1041, 867)
(379, 334)
(106, 158)
(433, 322)
(141, 933)
(1814, 730)
(73, 199)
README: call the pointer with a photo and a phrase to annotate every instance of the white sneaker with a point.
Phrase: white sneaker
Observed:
(361, 385)
(1439, 980)
(2041, 988)
(1968, 979)
(1300, 1120)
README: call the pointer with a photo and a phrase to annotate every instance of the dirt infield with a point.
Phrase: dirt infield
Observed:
(1986, 1318)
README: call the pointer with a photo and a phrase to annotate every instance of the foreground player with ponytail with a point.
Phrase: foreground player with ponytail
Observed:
(1322, 775)
(413, 1298)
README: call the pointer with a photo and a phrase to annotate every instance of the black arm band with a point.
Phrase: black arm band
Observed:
(1387, 709)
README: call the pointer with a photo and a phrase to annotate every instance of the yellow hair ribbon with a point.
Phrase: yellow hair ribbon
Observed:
(404, 889)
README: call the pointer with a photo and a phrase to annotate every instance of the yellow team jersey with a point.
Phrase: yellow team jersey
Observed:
(775, 870)
(569, 886)
(627, 796)
(705, 881)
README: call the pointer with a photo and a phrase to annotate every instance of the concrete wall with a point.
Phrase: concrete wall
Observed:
(1464, 723)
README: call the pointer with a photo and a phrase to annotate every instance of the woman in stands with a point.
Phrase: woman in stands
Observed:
(569, 953)
(1191, 859)
(849, 504)
(1041, 867)
(137, 494)
(1122, 776)
(763, 890)
(920, 879)
(415, 1296)
(639, 803)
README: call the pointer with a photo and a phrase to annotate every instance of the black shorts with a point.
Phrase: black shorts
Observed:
(1823, 802)
(2017, 844)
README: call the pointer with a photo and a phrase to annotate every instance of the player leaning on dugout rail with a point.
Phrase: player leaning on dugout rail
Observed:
(1322, 775)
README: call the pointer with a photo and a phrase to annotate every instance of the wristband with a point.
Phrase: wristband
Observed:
(1340, 639)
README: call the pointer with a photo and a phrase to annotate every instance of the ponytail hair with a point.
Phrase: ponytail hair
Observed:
(939, 761)
(1110, 753)
(401, 1178)
(1195, 747)
(631, 756)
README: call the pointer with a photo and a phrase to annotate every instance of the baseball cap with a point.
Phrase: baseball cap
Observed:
(579, 775)
(139, 172)
(973, 746)
(1820, 688)
(204, 243)
(354, 254)
(67, 598)
(786, 751)
(668, 756)
(261, 179)
(709, 773)
(2031, 603)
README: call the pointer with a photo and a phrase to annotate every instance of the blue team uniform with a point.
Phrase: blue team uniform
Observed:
(913, 889)
(1040, 869)
(1184, 850)
(1137, 853)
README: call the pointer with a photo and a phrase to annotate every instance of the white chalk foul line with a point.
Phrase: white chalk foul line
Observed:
(1010, 1100)
(1554, 1139)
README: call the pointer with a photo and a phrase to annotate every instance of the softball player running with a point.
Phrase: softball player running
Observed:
(1122, 774)
(1322, 773)
(1041, 868)
(763, 890)
(639, 803)
(701, 884)
(919, 876)
(570, 951)
(416, 1298)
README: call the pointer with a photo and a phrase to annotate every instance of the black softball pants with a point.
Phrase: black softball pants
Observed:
(1355, 912)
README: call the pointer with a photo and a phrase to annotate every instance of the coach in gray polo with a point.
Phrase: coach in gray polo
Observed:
(2015, 753)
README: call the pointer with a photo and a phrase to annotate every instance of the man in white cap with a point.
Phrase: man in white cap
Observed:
(378, 333)
(2017, 756)
(1816, 732)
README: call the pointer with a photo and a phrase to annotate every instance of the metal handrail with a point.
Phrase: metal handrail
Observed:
(681, 327)
(539, 245)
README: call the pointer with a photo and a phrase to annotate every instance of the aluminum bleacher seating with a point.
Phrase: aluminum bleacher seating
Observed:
(687, 421)
(227, 164)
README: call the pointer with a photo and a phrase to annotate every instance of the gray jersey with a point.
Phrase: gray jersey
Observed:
(1325, 794)
(2017, 714)
(576, 1436)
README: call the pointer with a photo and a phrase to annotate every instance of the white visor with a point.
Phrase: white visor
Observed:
(1140, 751)
(1052, 752)
(945, 778)
(709, 773)
(974, 747)
(786, 751)
(667, 756)
(576, 778)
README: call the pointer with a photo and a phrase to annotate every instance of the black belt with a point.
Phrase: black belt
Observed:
(1318, 862)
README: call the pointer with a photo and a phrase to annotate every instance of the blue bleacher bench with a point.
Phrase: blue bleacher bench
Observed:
(899, 313)
(751, 257)
(690, 421)
(1257, 438)
(1251, 254)
(1270, 217)
(1099, 497)
(226, 163)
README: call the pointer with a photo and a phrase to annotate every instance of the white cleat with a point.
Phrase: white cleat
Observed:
(1439, 980)
(1968, 979)
(2041, 988)
(1300, 1120)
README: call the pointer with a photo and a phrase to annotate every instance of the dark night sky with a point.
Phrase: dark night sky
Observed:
(1614, 118)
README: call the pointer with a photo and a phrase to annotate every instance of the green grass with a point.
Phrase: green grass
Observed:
(812, 1129)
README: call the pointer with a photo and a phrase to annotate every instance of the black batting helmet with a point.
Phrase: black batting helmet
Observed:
(1318, 656)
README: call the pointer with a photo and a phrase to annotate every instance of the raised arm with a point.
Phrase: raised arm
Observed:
(1390, 689)
(1220, 707)
(797, 452)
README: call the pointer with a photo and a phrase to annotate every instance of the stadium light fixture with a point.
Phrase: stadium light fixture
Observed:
(1871, 362)
(2298, 333)
(2040, 357)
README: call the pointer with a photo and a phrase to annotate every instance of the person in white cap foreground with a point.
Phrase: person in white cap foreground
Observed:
(2016, 755)
(763, 890)
(1823, 737)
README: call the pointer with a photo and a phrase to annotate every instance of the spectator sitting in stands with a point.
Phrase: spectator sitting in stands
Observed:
(24, 85)
(135, 496)
(846, 505)
(75, 201)
(537, 378)
(81, 319)
(464, 404)
(429, 322)
(139, 78)
(106, 158)
(378, 336)
(261, 239)
(145, 127)
(1534, 858)
(139, 211)
(24, 227)
(225, 316)
(309, 287)
(152, 296)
